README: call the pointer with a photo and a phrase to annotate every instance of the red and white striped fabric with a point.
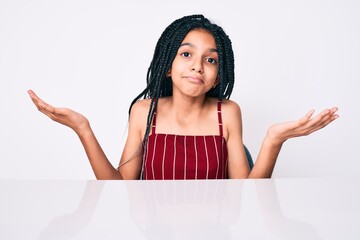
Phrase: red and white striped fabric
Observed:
(169, 156)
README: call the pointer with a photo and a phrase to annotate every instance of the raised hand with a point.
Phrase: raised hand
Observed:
(302, 127)
(101, 166)
(65, 116)
(279, 133)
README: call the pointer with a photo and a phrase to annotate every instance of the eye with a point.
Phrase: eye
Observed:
(211, 60)
(185, 54)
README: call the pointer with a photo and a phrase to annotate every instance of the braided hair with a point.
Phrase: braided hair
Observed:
(165, 52)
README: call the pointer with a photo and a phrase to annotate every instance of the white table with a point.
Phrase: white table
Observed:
(216, 209)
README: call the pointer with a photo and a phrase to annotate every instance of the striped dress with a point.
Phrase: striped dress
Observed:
(170, 156)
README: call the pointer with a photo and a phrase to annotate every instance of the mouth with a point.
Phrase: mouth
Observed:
(194, 79)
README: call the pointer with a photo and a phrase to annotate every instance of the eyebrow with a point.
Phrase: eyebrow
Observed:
(193, 46)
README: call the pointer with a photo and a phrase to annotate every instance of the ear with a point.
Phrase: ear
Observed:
(217, 81)
(168, 74)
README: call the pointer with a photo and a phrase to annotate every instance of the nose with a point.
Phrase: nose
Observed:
(197, 65)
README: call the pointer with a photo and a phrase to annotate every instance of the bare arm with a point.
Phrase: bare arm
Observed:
(237, 163)
(101, 166)
(279, 133)
(131, 158)
(272, 143)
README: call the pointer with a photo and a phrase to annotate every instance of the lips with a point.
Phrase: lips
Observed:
(194, 79)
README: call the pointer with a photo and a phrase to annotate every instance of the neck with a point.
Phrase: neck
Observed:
(185, 106)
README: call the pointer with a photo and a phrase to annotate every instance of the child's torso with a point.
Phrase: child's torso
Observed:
(171, 156)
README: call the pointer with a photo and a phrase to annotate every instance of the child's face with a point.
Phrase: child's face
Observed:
(194, 70)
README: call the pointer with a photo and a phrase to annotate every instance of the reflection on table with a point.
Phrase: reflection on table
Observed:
(213, 209)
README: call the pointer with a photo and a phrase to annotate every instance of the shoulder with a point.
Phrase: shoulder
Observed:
(230, 108)
(139, 113)
(140, 106)
(231, 117)
(145, 103)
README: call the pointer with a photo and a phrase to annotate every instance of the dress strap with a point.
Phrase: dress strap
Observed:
(219, 117)
(153, 125)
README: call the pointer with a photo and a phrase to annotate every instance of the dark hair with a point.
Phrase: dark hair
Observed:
(165, 52)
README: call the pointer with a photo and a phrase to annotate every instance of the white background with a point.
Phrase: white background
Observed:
(92, 56)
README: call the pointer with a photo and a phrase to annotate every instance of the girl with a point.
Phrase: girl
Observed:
(185, 127)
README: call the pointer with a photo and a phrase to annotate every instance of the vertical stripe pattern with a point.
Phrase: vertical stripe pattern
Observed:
(169, 156)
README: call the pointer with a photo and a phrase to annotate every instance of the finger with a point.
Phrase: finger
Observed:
(40, 104)
(310, 125)
(51, 116)
(328, 114)
(36, 100)
(330, 111)
(323, 119)
(32, 94)
(307, 117)
(47, 107)
(334, 110)
(36, 103)
(317, 121)
(329, 119)
(310, 113)
(54, 113)
(325, 114)
(322, 124)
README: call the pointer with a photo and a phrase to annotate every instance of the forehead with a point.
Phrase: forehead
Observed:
(201, 36)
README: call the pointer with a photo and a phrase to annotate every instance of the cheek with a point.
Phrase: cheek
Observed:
(176, 67)
(213, 72)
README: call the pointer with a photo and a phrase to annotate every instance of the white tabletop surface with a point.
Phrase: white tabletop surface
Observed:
(214, 209)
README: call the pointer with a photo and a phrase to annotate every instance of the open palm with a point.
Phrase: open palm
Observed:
(302, 127)
(65, 116)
